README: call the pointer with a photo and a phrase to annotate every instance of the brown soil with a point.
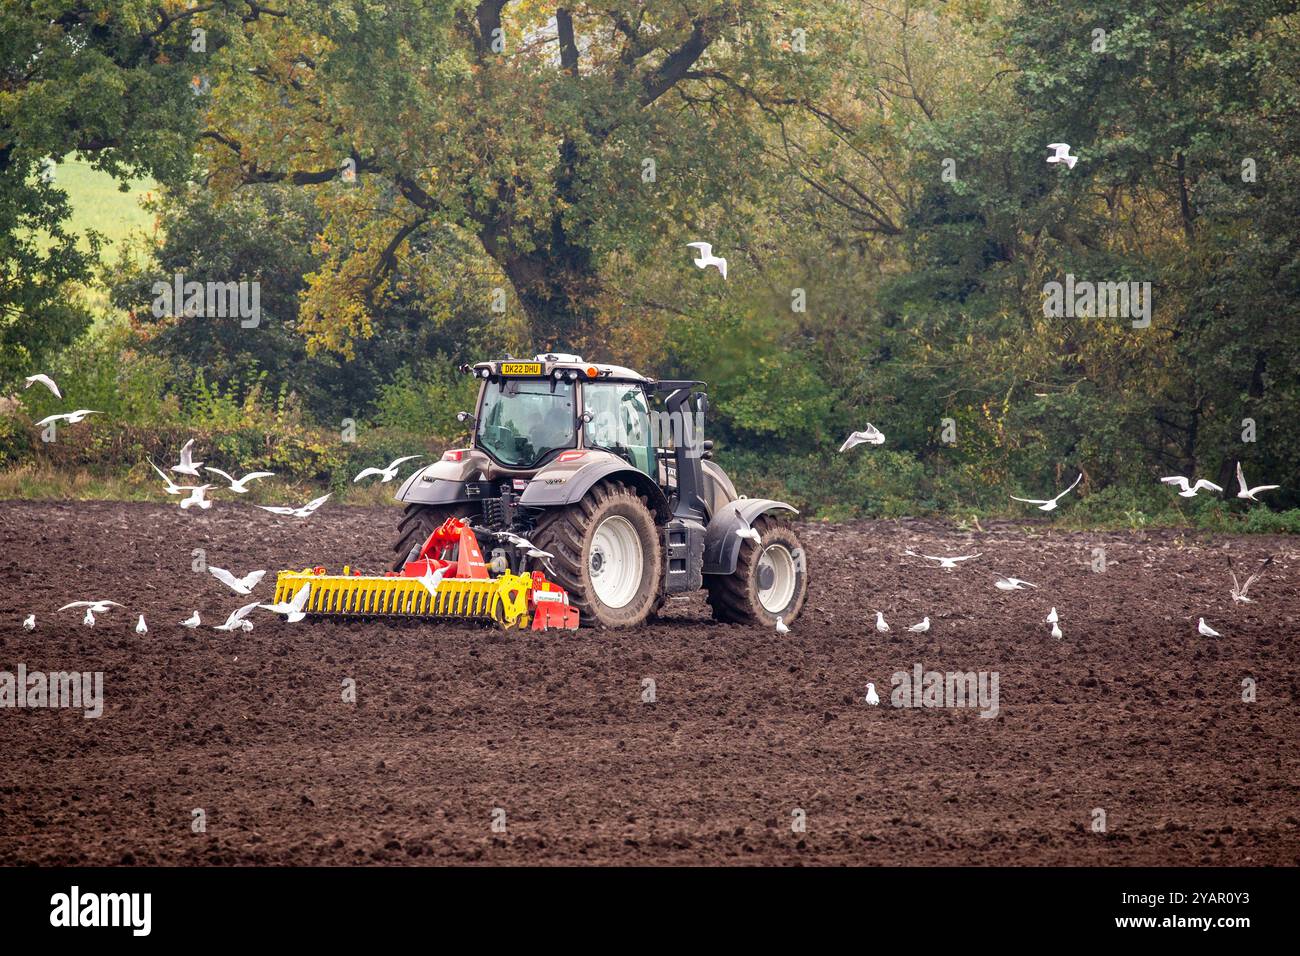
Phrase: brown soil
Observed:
(1132, 711)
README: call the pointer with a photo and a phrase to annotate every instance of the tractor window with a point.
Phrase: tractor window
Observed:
(620, 421)
(523, 420)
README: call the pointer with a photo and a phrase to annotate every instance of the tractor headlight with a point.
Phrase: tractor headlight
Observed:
(559, 374)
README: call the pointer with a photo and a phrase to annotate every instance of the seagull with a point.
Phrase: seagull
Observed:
(240, 485)
(431, 579)
(1062, 154)
(188, 465)
(99, 607)
(1238, 589)
(196, 498)
(1056, 630)
(71, 417)
(292, 610)
(171, 488)
(881, 626)
(920, 628)
(946, 564)
(388, 473)
(704, 257)
(242, 585)
(1206, 630)
(1050, 503)
(44, 380)
(89, 619)
(1249, 493)
(1052, 617)
(192, 620)
(29, 622)
(304, 512)
(519, 542)
(141, 627)
(872, 697)
(236, 620)
(869, 436)
(781, 627)
(1189, 490)
(749, 534)
(1012, 584)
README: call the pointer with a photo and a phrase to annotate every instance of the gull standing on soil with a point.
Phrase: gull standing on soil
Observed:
(1048, 504)
(1012, 584)
(387, 474)
(242, 585)
(1249, 493)
(704, 257)
(141, 627)
(192, 620)
(881, 626)
(29, 622)
(1206, 630)
(171, 487)
(292, 610)
(45, 380)
(922, 627)
(1189, 490)
(71, 417)
(780, 627)
(236, 620)
(749, 534)
(1056, 630)
(240, 485)
(196, 498)
(1239, 590)
(1061, 154)
(188, 465)
(872, 697)
(1052, 617)
(304, 512)
(868, 436)
(945, 564)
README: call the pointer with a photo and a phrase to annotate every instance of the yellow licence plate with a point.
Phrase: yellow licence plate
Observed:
(521, 368)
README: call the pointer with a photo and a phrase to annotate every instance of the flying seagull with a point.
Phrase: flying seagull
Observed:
(1012, 584)
(704, 257)
(1062, 154)
(304, 512)
(292, 610)
(89, 619)
(944, 563)
(1206, 630)
(188, 465)
(99, 607)
(44, 380)
(1249, 493)
(387, 474)
(171, 487)
(1048, 504)
(431, 579)
(868, 436)
(240, 485)
(1238, 589)
(236, 620)
(196, 498)
(71, 417)
(749, 534)
(242, 585)
(1189, 490)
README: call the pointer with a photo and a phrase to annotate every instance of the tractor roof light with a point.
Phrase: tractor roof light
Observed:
(592, 371)
(485, 373)
(573, 375)
(559, 374)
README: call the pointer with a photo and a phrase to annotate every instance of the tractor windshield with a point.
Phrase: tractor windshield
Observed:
(523, 420)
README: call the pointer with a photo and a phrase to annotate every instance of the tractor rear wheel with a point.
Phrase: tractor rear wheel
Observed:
(606, 555)
(770, 580)
(420, 521)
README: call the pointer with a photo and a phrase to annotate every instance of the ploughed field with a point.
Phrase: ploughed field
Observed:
(751, 733)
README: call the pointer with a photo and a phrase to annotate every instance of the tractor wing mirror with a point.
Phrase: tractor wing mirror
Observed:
(465, 417)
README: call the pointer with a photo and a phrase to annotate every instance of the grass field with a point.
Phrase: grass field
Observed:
(99, 203)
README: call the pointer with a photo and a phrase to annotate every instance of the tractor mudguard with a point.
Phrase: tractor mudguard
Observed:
(563, 483)
(721, 543)
(441, 483)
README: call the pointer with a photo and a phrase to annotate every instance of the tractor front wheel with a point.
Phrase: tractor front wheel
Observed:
(606, 555)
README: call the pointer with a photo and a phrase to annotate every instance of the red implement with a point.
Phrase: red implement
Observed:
(452, 546)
